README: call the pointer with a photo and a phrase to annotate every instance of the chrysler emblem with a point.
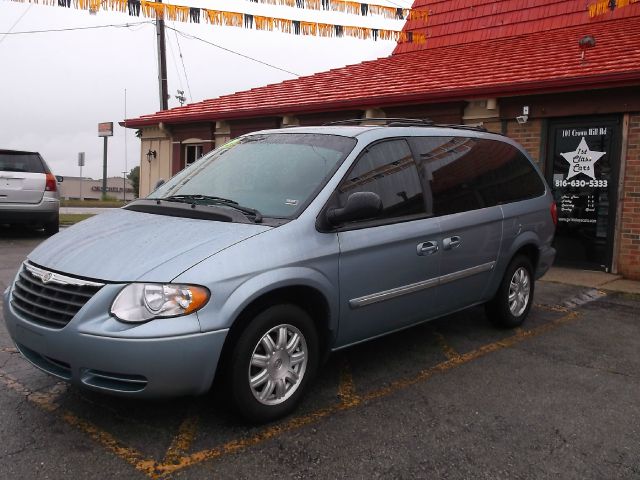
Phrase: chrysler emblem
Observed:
(46, 277)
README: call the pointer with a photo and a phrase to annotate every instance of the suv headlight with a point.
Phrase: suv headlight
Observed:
(140, 302)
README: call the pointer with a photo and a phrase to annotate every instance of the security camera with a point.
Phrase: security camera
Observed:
(522, 119)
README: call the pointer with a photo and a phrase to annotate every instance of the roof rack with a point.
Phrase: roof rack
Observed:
(405, 122)
(389, 122)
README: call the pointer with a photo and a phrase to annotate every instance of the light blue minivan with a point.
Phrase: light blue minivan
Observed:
(282, 246)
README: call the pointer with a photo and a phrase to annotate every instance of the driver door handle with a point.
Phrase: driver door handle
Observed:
(427, 248)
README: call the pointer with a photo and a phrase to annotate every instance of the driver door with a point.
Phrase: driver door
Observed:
(388, 266)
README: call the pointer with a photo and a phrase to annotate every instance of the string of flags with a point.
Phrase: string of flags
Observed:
(179, 13)
(602, 7)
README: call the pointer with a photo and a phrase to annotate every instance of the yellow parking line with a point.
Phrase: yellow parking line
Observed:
(182, 441)
(298, 422)
(110, 443)
(177, 459)
(347, 388)
(447, 349)
(551, 308)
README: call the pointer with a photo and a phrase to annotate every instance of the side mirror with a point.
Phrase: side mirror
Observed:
(59, 178)
(359, 206)
(159, 183)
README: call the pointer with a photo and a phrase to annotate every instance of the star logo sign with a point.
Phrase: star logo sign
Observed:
(582, 160)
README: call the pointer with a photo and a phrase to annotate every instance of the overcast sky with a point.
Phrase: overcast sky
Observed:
(56, 87)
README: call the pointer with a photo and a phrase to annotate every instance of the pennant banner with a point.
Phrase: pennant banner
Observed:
(179, 13)
(602, 7)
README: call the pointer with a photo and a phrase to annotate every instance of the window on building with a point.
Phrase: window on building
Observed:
(192, 153)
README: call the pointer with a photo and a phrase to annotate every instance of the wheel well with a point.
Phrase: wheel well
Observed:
(309, 299)
(532, 252)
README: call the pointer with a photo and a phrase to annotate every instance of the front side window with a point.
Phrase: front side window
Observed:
(387, 169)
(275, 174)
(467, 173)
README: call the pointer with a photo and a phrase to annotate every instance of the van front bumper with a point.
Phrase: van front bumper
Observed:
(166, 366)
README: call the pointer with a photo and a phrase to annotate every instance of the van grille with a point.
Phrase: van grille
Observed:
(50, 299)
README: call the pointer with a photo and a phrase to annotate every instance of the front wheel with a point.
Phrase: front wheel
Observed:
(272, 362)
(510, 306)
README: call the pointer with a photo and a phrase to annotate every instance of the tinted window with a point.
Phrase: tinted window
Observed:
(389, 170)
(275, 173)
(471, 173)
(21, 162)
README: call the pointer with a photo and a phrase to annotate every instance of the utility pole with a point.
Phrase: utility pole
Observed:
(162, 64)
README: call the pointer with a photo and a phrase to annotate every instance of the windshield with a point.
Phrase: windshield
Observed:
(274, 174)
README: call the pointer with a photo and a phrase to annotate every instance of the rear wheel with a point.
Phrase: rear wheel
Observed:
(510, 306)
(272, 362)
(52, 227)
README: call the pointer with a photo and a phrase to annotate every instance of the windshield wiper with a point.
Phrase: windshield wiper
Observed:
(211, 200)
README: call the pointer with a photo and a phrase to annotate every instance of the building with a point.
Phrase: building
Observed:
(562, 78)
(72, 188)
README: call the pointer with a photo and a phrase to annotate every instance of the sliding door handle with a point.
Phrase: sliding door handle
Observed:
(451, 242)
(427, 248)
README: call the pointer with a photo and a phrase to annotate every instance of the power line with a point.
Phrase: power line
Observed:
(16, 23)
(188, 35)
(186, 78)
(175, 63)
(71, 29)
(130, 25)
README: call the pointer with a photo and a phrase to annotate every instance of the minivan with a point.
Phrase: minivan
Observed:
(278, 248)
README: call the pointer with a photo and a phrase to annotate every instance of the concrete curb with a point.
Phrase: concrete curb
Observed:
(592, 279)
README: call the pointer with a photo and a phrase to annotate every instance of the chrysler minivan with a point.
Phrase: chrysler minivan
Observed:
(278, 248)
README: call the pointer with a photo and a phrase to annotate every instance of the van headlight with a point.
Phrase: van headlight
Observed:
(140, 302)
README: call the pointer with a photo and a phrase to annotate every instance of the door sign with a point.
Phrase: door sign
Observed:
(581, 174)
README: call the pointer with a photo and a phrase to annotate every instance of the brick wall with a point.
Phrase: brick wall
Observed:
(629, 252)
(528, 135)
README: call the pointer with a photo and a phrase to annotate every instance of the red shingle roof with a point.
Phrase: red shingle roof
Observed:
(466, 21)
(533, 63)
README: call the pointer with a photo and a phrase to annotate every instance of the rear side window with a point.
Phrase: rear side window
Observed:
(21, 162)
(471, 173)
(388, 169)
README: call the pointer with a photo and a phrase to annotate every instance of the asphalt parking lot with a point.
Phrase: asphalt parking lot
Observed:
(455, 398)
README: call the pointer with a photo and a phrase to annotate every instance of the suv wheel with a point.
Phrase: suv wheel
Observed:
(272, 362)
(52, 227)
(512, 303)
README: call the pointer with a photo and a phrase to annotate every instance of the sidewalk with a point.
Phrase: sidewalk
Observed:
(593, 279)
(84, 210)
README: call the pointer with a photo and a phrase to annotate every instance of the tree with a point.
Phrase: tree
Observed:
(134, 178)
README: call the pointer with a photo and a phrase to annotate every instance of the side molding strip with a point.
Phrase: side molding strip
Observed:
(423, 285)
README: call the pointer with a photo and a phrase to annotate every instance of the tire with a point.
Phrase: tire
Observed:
(519, 282)
(52, 227)
(281, 368)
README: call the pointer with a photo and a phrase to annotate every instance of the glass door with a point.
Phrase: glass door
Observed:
(583, 159)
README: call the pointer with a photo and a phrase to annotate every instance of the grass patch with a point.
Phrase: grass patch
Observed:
(71, 218)
(93, 203)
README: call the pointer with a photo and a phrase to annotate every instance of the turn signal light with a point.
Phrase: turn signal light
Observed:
(51, 185)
